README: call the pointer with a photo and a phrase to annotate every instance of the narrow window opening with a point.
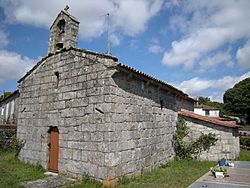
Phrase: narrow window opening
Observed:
(142, 86)
(57, 78)
(161, 103)
(207, 112)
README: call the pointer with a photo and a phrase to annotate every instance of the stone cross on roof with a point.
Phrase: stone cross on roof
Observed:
(66, 8)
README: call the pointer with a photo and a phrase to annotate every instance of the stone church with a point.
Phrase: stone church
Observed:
(82, 112)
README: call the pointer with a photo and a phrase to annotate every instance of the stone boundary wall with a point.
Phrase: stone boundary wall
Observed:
(6, 132)
(227, 145)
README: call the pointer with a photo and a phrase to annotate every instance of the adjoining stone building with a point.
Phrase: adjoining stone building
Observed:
(8, 118)
(225, 130)
(82, 112)
(8, 108)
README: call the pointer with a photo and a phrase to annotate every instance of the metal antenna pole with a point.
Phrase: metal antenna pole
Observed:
(108, 40)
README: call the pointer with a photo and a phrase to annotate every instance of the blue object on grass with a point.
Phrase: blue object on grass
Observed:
(222, 162)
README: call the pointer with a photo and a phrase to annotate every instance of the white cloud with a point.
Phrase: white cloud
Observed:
(130, 16)
(155, 49)
(216, 96)
(3, 39)
(115, 40)
(196, 86)
(243, 56)
(133, 44)
(206, 26)
(13, 65)
(212, 61)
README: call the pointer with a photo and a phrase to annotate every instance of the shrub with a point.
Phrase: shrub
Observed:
(245, 141)
(192, 149)
(16, 144)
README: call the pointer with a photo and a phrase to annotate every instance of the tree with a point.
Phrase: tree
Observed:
(4, 95)
(237, 99)
(204, 100)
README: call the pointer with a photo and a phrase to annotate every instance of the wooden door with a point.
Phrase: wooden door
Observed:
(53, 150)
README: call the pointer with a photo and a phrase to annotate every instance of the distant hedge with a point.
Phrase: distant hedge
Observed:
(245, 141)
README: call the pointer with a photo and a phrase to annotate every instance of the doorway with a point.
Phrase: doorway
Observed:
(53, 149)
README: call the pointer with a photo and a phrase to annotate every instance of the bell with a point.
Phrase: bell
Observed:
(59, 44)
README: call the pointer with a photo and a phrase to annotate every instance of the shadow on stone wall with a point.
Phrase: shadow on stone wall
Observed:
(139, 86)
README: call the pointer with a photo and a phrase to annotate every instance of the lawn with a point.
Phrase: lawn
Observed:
(174, 174)
(12, 171)
(244, 155)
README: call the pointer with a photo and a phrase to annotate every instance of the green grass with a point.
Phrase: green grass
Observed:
(176, 174)
(12, 171)
(86, 184)
(244, 155)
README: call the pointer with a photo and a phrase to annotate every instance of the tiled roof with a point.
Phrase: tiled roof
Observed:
(65, 50)
(156, 80)
(117, 64)
(215, 121)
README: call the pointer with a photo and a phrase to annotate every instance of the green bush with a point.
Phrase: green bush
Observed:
(16, 144)
(192, 149)
(245, 141)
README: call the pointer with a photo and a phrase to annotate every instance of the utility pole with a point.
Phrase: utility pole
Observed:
(108, 39)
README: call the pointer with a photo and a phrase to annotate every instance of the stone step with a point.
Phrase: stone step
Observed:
(48, 182)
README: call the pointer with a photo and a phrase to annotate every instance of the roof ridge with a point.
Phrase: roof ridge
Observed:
(231, 124)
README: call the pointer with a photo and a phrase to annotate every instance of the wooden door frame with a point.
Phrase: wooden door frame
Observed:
(51, 128)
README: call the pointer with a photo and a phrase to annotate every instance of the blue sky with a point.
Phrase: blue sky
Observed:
(201, 47)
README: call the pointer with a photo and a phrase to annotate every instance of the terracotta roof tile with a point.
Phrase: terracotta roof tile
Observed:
(156, 80)
(216, 121)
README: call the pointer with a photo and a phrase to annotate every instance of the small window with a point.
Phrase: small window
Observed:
(161, 103)
(57, 78)
(142, 86)
(207, 112)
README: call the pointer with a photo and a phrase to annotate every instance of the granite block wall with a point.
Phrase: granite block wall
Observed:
(111, 122)
(227, 145)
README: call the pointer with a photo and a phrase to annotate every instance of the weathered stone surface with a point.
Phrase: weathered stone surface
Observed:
(227, 145)
(49, 182)
(111, 121)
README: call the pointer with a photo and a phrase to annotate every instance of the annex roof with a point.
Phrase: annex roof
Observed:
(215, 121)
